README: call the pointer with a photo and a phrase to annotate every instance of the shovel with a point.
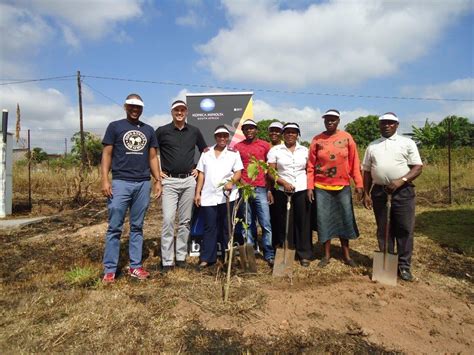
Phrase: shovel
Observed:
(385, 264)
(246, 251)
(284, 257)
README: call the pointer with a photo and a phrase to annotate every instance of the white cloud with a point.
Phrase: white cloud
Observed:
(191, 19)
(459, 88)
(27, 26)
(93, 19)
(335, 42)
(23, 33)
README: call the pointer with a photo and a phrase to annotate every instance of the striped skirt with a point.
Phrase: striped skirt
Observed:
(335, 215)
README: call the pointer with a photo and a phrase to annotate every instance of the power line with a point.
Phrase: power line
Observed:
(36, 80)
(101, 93)
(204, 86)
(279, 91)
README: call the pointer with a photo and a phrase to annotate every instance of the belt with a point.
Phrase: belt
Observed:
(179, 176)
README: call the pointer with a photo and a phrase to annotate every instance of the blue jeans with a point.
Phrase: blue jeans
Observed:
(258, 209)
(126, 194)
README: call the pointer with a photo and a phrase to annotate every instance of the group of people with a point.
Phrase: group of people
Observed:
(314, 181)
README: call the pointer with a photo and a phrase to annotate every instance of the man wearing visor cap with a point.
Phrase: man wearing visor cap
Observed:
(258, 206)
(177, 142)
(130, 152)
(390, 165)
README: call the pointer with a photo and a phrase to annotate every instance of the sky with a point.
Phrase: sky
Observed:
(299, 57)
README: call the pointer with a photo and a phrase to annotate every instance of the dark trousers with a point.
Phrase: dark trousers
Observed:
(215, 230)
(402, 221)
(275, 221)
(299, 231)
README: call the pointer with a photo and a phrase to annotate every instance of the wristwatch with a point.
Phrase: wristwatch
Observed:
(404, 179)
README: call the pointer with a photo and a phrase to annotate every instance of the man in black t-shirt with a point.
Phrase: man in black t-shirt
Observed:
(130, 152)
(177, 142)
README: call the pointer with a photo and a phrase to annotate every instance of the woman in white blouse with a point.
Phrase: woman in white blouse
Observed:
(289, 159)
(219, 169)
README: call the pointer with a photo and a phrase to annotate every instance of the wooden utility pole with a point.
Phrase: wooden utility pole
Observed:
(81, 124)
(78, 197)
(65, 146)
(450, 195)
(30, 203)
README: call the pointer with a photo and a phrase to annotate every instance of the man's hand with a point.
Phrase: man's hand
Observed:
(107, 188)
(157, 189)
(367, 201)
(195, 173)
(310, 195)
(394, 185)
(163, 175)
(270, 198)
(197, 199)
(360, 193)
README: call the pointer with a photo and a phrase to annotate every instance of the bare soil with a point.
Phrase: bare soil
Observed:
(336, 309)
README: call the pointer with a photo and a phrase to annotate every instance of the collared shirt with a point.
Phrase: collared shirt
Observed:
(177, 147)
(131, 143)
(218, 171)
(388, 159)
(258, 149)
(291, 166)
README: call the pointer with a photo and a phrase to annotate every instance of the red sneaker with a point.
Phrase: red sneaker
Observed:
(139, 273)
(109, 278)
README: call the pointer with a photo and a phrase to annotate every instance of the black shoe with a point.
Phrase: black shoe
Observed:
(350, 263)
(182, 264)
(202, 266)
(405, 275)
(271, 262)
(324, 262)
(304, 262)
(165, 269)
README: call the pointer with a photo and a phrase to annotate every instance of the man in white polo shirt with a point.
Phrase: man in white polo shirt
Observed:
(390, 165)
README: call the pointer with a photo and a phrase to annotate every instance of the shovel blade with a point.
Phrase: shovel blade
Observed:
(283, 262)
(385, 272)
(247, 258)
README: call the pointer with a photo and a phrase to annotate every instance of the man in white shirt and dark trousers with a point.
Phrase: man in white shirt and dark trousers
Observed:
(390, 165)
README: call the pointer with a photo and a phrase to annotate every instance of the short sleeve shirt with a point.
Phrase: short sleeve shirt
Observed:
(177, 147)
(388, 159)
(258, 149)
(218, 171)
(291, 166)
(131, 148)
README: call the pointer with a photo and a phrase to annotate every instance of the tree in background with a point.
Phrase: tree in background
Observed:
(262, 127)
(433, 135)
(93, 147)
(38, 155)
(364, 129)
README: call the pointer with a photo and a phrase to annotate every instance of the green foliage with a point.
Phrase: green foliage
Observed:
(38, 155)
(262, 127)
(66, 162)
(433, 135)
(93, 147)
(364, 130)
(82, 276)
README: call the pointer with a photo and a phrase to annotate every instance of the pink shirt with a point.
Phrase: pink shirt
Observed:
(333, 160)
(258, 149)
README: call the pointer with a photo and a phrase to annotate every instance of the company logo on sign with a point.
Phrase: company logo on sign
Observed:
(134, 141)
(207, 105)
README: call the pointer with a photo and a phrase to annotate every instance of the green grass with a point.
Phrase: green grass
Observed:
(451, 227)
(82, 276)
